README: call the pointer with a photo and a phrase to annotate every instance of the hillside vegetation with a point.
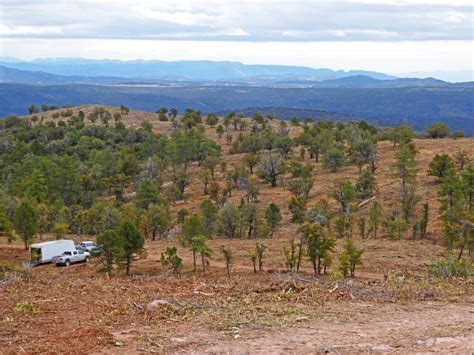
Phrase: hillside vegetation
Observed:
(238, 228)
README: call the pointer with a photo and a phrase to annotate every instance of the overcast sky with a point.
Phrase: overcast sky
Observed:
(391, 35)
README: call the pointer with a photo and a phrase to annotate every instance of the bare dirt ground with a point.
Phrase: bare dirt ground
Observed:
(53, 309)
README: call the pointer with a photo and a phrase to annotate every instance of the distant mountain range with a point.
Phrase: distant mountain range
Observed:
(29, 77)
(179, 70)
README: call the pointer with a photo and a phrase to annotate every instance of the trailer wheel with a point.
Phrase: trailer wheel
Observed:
(67, 262)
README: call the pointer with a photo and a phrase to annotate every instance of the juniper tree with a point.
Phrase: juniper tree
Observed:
(438, 130)
(170, 258)
(366, 184)
(401, 134)
(319, 244)
(440, 164)
(333, 158)
(405, 164)
(229, 220)
(344, 193)
(253, 258)
(156, 221)
(362, 224)
(350, 258)
(209, 212)
(110, 247)
(25, 222)
(375, 218)
(192, 227)
(462, 158)
(270, 168)
(199, 245)
(273, 217)
(291, 255)
(251, 160)
(131, 245)
(297, 207)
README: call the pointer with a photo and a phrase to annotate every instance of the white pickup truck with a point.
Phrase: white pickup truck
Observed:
(87, 246)
(71, 257)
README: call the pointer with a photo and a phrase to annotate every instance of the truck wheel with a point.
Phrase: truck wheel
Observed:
(67, 262)
(87, 259)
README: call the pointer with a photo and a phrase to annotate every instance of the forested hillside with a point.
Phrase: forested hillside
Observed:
(229, 225)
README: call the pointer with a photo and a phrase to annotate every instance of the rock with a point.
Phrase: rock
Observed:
(152, 306)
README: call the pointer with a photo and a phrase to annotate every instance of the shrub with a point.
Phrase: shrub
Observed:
(170, 258)
(450, 267)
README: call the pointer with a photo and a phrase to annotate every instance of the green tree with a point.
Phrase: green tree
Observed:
(462, 158)
(199, 245)
(297, 207)
(362, 224)
(271, 166)
(291, 256)
(320, 244)
(273, 217)
(253, 258)
(212, 119)
(366, 184)
(344, 193)
(170, 258)
(405, 164)
(408, 200)
(333, 158)
(350, 258)
(25, 222)
(6, 227)
(124, 110)
(229, 221)
(111, 249)
(438, 130)
(131, 245)
(32, 109)
(209, 212)
(147, 192)
(192, 227)
(157, 221)
(396, 227)
(375, 218)
(251, 160)
(439, 165)
(401, 134)
(60, 229)
(220, 130)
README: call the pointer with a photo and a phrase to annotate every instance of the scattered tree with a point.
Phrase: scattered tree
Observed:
(26, 222)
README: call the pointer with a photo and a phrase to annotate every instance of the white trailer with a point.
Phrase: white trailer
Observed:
(41, 253)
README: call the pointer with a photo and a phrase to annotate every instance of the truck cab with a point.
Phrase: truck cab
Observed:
(71, 257)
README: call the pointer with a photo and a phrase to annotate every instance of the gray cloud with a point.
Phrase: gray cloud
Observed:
(371, 20)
